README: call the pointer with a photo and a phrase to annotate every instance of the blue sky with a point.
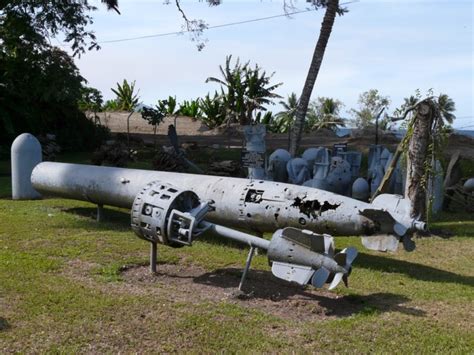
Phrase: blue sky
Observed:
(393, 46)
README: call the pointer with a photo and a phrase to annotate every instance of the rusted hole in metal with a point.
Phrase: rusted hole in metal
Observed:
(249, 215)
(302, 221)
(313, 208)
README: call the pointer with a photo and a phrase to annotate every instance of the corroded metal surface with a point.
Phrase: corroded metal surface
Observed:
(254, 205)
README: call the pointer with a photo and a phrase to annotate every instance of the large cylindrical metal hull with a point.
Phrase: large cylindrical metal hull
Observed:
(256, 205)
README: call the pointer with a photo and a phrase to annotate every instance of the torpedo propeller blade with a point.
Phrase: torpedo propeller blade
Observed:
(320, 277)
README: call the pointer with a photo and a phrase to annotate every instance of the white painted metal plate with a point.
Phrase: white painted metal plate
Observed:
(293, 273)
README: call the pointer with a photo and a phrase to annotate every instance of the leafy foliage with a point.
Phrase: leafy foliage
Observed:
(244, 90)
(168, 106)
(285, 119)
(91, 99)
(190, 108)
(371, 104)
(213, 111)
(111, 105)
(445, 107)
(428, 126)
(324, 113)
(153, 116)
(39, 93)
(40, 86)
(37, 21)
(126, 97)
(127, 100)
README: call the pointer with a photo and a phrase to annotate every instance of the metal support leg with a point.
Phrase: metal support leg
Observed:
(247, 266)
(153, 257)
(100, 213)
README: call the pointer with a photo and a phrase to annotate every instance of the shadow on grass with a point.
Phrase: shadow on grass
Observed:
(413, 270)
(4, 325)
(263, 285)
(118, 218)
(121, 219)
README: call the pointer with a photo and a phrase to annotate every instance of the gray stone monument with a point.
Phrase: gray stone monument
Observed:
(255, 151)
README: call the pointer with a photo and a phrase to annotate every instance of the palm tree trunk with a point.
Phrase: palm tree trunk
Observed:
(417, 181)
(326, 28)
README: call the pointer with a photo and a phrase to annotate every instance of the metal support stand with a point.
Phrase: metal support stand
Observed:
(100, 213)
(153, 257)
(247, 266)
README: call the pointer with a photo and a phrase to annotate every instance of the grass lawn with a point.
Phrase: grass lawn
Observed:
(70, 284)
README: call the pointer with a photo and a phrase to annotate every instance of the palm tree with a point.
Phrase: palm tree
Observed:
(284, 119)
(332, 8)
(324, 113)
(430, 119)
(127, 100)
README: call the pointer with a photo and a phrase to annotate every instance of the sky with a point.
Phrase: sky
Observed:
(395, 47)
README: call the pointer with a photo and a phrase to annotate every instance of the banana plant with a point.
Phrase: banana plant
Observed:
(213, 110)
(190, 108)
(244, 90)
(127, 100)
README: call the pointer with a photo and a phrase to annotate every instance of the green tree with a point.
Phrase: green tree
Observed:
(371, 104)
(244, 90)
(39, 93)
(332, 8)
(40, 86)
(324, 112)
(127, 100)
(91, 100)
(168, 106)
(154, 116)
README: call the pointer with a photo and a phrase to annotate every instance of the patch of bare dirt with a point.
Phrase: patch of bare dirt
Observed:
(191, 284)
(261, 291)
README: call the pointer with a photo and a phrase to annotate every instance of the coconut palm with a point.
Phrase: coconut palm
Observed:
(426, 131)
(324, 113)
(284, 119)
(332, 8)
